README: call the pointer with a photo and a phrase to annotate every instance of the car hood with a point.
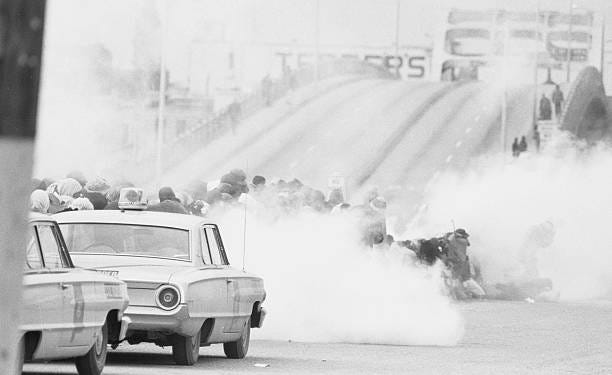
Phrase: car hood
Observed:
(146, 270)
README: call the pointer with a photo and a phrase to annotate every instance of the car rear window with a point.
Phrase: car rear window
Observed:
(125, 239)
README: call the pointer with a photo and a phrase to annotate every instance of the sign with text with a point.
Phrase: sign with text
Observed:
(412, 63)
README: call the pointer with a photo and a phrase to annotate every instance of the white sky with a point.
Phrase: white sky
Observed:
(354, 22)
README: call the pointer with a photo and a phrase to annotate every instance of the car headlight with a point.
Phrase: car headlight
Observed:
(167, 297)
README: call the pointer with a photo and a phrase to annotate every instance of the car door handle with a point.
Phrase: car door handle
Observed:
(229, 281)
(65, 286)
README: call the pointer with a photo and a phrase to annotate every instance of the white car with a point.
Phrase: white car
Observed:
(67, 312)
(183, 292)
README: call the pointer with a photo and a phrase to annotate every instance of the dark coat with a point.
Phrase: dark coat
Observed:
(169, 206)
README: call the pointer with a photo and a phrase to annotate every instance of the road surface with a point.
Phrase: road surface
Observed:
(372, 131)
(501, 338)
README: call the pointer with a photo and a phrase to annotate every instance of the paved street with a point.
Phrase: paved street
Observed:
(501, 338)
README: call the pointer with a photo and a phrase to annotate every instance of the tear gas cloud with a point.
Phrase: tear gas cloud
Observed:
(323, 286)
(544, 215)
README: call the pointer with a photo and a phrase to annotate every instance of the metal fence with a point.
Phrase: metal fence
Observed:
(230, 118)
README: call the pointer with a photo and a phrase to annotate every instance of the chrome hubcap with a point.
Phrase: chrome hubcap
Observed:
(99, 342)
(195, 342)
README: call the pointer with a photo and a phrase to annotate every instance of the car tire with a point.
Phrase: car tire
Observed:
(186, 349)
(93, 362)
(238, 349)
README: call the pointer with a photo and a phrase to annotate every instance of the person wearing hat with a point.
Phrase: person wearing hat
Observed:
(374, 220)
(459, 263)
(457, 244)
(168, 202)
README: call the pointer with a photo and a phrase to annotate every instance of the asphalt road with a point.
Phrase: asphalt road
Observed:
(501, 338)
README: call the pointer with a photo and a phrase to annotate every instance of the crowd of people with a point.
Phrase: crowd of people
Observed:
(278, 197)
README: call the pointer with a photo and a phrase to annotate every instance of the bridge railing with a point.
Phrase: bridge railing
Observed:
(209, 128)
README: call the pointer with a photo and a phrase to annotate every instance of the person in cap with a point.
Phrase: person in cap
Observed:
(61, 193)
(98, 185)
(373, 220)
(39, 201)
(168, 202)
(457, 243)
(65, 187)
(259, 182)
(459, 264)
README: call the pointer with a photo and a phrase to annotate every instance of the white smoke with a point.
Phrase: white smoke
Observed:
(324, 286)
(548, 213)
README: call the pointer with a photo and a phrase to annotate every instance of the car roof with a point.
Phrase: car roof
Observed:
(35, 216)
(162, 219)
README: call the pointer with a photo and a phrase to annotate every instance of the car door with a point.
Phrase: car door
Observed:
(224, 284)
(70, 309)
(235, 303)
(85, 300)
(43, 285)
(35, 290)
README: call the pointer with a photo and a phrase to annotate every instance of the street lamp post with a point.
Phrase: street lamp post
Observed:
(317, 36)
(536, 65)
(397, 29)
(162, 97)
(602, 61)
(504, 101)
(569, 40)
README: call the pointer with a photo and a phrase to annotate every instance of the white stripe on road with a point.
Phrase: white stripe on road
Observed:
(449, 158)
(468, 130)
(458, 144)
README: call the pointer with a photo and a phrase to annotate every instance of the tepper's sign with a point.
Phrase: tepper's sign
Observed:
(410, 63)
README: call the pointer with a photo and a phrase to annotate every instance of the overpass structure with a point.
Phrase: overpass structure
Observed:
(397, 135)
(587, 113)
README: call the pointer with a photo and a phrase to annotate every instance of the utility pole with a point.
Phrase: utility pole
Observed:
(161, 107)
(536, 40)
(569, 40)
(317, 41)
(504, 98)
(397, 31)
(602, 61)
(21, 37)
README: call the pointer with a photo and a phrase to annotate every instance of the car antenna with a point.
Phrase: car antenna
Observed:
(453, 222)
(244, 224)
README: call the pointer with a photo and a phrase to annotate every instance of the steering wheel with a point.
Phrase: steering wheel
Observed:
(99, 244)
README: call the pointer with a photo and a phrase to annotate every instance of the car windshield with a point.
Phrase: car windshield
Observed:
(124, 239)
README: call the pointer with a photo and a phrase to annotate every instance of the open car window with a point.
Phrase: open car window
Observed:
(50, 247)
(215, 245)
(127, 240)
(33, 257)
